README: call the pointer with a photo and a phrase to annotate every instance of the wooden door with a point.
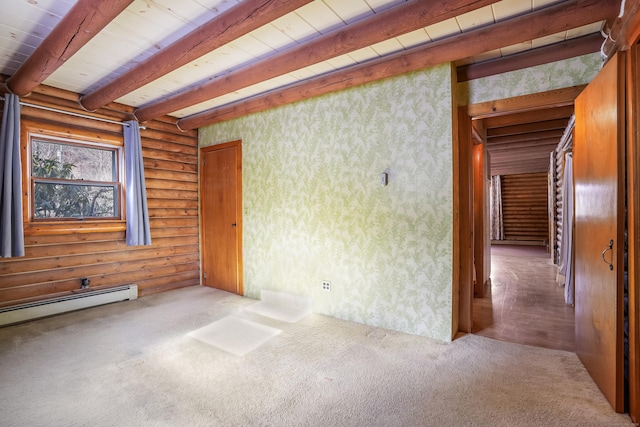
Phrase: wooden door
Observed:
(221, 218)
(599, 221)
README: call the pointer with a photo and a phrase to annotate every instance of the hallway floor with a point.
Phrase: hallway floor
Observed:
(524, 303)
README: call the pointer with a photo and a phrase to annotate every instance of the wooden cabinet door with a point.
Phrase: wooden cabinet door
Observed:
(599, 229)
(220, 184)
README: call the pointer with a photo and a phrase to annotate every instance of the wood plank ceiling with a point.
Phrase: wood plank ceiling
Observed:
(203, 61)
(520, 143)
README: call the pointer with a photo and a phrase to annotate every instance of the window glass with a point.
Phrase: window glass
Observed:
(73, 180)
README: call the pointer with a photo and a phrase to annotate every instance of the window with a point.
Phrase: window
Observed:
(74, 180)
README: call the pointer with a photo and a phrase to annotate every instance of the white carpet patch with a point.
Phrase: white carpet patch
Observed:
(234, 335)
(281, 306)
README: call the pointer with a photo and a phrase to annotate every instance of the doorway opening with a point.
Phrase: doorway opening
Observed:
(516, 295)
(527, 301)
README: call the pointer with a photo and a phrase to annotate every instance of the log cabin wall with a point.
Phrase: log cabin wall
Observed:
(524, 208)
(57, 257)
(565, 146)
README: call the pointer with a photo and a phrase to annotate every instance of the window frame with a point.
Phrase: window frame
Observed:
(58, 134)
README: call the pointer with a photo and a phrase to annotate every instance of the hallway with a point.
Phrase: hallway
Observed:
(524, 304)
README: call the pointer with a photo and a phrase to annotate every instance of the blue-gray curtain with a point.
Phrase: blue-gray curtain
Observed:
(138, 230)
(11, 230)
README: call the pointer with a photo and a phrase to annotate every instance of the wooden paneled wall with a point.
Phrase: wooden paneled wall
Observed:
(524, 208)
(58, 255)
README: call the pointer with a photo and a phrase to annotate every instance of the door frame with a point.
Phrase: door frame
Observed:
(462, 224)
(237, 144)
(633, 224)
(463, 215)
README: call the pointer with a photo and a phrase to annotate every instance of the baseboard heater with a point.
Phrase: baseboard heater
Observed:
(78, 301)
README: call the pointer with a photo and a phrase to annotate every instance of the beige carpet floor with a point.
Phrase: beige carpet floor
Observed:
(134, 364)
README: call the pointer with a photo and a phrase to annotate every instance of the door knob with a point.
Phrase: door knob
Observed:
(609, 248)
(234, 224)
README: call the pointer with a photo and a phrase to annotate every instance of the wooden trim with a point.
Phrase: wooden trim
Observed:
(538, 136)
(541, 100)
(463, 221)
(67, 134)
(529, 117)
(559, 124)
(479, 154)
(240, 216)
(633, 223)
(67, 227)
(622, 212)
(459, 320)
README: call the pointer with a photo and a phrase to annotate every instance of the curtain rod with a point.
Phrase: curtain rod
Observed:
(84, 116)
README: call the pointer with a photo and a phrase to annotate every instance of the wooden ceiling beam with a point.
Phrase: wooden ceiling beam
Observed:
(531, 166)
(529, 127)
(523, 154)
(625, 30)
(234, 23)
(547, 21)
(518, 168)
(541, 100)
(534, 141)
(524, 166)
(83, 21)
(401, 19)
(542, 55)
(548, 144)
(525, 163)
(563, 112)
(531, 136)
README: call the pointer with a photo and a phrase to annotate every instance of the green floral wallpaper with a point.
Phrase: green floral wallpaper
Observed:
(566, 73)
(314, 208)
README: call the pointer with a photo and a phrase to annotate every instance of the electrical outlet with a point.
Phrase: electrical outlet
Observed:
(326, 285)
